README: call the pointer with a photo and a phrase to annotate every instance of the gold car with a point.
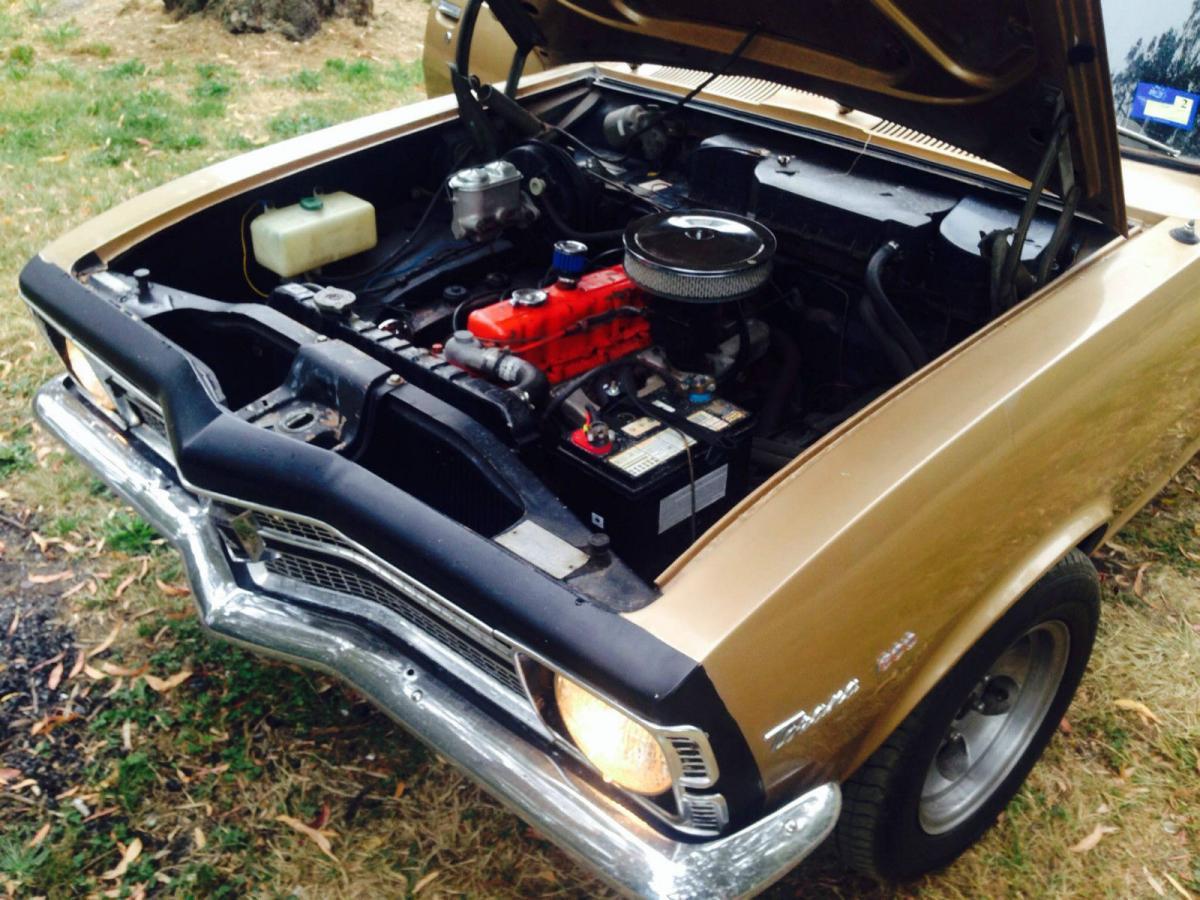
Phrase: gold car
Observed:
(707, 464)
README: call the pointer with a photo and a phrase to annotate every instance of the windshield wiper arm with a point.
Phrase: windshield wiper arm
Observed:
(1133, 135)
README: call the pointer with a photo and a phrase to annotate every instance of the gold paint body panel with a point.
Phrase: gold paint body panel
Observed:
(936, 507)
(933, 509)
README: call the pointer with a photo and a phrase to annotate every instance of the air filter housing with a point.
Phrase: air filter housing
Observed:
(698, 256)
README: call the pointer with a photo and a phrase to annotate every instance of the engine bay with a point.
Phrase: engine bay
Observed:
(644, 307)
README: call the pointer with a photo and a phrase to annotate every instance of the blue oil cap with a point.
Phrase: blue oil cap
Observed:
(570, 257)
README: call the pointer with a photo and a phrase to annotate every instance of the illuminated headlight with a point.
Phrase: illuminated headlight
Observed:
(624, 752)
(85, 374)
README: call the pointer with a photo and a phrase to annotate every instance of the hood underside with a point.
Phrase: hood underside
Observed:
(985, 77)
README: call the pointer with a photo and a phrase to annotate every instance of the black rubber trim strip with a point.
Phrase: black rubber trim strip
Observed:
(216, 451)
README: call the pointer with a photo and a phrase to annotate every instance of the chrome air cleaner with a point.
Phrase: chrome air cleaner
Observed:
(698, 256)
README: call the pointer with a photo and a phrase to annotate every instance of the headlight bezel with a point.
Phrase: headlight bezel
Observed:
(120, 391)
(690, 805)
(657, 777)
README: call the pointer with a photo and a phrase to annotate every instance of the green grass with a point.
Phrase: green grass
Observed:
(299, 120)
(17, 860)
(59, 36)
(127, 533)
(305, 80)
(15, 458)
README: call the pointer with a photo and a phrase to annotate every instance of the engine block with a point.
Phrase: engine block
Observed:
(570, 327)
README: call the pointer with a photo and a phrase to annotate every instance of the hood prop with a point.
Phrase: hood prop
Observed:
(474, 98)
(1011, 280)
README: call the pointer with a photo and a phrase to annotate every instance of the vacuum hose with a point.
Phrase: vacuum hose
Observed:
(522, 376)
(566, 230)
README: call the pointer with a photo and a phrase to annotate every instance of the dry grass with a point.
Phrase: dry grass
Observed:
(199, 774)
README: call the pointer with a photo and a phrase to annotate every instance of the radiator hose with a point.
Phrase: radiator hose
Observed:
(522, 376)
(896, 332)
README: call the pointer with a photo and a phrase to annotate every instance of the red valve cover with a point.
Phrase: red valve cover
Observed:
(575, 330)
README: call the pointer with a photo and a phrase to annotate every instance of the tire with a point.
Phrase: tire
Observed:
(943, 776)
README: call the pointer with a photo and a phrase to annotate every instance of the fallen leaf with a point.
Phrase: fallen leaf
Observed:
(1183, 892)
(198, 838)
(1137, 579)
(401, 787)
(1136, 706)
(1154, 883)
(54, 679)
(162, 685)
(132, 852)
(72, 591)
(78, 666)
(124, 585)
(1089, 842)
(48, 724)
(321, 819)
(426, 881)
(51, 578)
(39, 836)
(123, 671)
(320, 838)
(127, 736)
(46, 663)
(106, 643)
(7, 775)
(172, 590)
(138, 576)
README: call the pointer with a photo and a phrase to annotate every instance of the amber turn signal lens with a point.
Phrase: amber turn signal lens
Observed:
(81, 368)
(626, 753)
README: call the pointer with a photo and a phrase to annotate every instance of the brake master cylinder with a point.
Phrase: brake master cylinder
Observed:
(485, 199)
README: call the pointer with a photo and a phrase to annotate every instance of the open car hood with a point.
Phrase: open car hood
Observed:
(987, 77)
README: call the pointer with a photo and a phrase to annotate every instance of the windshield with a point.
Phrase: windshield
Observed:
(1154, 58)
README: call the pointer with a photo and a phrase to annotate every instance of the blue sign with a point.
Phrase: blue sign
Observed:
(1159, 103)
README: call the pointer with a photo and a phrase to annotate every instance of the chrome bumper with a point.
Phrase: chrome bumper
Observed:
(604, 836)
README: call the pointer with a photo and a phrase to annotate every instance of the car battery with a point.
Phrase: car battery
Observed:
(652, 487)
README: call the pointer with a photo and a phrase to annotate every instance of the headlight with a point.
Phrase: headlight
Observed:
(86, 375)
(624, 751)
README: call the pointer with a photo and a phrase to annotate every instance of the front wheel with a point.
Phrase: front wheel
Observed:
(941, 779)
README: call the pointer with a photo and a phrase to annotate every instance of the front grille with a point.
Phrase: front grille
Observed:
(298, 528)
(314, 555)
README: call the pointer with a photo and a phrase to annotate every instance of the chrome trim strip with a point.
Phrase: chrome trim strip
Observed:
(603, 835)
(432, 603)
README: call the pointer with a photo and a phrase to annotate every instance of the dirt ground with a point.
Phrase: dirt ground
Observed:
(141, 29)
